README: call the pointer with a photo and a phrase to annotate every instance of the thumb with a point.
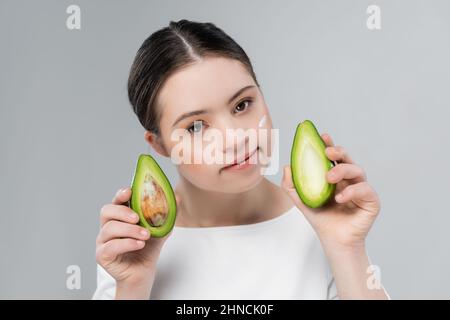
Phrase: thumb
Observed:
(288, 186)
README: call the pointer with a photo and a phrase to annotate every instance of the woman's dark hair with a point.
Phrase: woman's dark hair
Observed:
(169, 49)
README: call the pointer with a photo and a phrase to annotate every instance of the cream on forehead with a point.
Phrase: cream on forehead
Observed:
(262, 122)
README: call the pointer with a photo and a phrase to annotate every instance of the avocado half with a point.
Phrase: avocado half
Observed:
(309, 165)
(152, 197)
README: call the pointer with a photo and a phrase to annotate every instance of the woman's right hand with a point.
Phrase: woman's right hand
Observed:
(124, 249)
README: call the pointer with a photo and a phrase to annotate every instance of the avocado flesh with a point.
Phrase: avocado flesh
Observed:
(152, 197)
(309, 165)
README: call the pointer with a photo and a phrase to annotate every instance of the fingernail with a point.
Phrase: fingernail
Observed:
(140, 243)
(144, 232)
(339, 197)
(123, 190)
(133, 216)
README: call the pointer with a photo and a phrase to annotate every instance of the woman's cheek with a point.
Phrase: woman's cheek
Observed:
(200, 175)
(266, 136)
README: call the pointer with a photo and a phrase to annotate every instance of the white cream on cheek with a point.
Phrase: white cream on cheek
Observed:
(262, 122)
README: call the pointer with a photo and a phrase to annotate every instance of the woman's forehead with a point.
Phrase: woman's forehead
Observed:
(206, 83)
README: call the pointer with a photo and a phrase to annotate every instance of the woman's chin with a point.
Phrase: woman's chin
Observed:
(240, 181)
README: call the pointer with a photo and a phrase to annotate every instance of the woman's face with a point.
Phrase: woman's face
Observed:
(215, 96)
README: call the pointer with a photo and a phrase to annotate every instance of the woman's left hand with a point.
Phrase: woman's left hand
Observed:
(347, 218)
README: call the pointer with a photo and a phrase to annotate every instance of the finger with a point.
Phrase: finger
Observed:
(338, 153)
(362, 194)
(345, 171)
(327, 139)
(117, 212)
(109, 251)
(116, 229)
(122, 196)
(286, 182)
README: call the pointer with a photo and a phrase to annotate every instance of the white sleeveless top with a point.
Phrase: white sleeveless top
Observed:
(280, 258)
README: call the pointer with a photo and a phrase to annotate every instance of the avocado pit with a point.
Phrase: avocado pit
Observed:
(153, 202)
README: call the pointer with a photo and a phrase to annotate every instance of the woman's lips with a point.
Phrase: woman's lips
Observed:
(243, 164)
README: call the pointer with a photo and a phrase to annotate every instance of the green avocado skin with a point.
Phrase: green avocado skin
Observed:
(146, 164)
(308, 138)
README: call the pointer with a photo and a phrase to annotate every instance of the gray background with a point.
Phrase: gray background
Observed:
(69, 139)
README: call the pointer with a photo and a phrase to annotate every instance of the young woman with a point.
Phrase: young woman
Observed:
(237, 235)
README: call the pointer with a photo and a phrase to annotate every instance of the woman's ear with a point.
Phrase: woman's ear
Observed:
(156, 143)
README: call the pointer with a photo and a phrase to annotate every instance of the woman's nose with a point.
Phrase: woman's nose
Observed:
(235, 136)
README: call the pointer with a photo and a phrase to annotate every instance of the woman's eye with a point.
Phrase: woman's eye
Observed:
(242, 106)
(196, 126)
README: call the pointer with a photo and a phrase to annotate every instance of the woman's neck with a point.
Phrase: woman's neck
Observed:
(203, 208)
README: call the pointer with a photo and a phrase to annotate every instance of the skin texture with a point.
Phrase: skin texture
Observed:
(208, 84)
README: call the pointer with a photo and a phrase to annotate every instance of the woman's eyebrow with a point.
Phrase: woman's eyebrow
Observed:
(189, 114)
(234, 96)
(203, 111)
